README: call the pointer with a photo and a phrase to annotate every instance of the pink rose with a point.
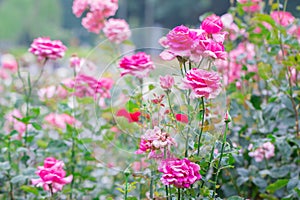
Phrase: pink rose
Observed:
(253, 7)
(79, 6)
(9, 62)
(93, 22)
(45, 48)
(180, 173)
(283, 18)
(212, 24)
(131, 117)
(52, 174)
(179, 42)
(265, 151)
(61, 120)
(166, 82)
(11, 123)
(155, 139)
(116, 30)
(182, 118)
(203, 83)
(138, 65)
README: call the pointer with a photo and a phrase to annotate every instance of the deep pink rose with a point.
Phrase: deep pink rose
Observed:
(180, 173)
(138, 65)
(179, 42)
(283, 18)
(52, 173)
(212, 24)
(182, 118)
(116, 30)
(131, 117)
(43, 48)
(166, 82)
(203, 83)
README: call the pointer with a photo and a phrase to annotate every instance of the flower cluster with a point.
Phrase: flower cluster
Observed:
(203, 83)
(44, 48)
(52, 175)
(265, 151)
(155, 139)
(138, 65)
(251, 5)
(180, 173)
(194, 44)
(98, 12)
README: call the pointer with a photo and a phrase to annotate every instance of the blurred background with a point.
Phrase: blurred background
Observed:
(23, 20)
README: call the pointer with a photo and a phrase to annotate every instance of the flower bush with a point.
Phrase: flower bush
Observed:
(222, 123)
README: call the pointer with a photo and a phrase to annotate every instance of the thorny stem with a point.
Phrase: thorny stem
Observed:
(221, 156)
(202, 124)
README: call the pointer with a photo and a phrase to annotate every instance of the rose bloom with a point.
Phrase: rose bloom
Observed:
(52, 174)
(212, 24)
(61, 120)
(9, 62)
(138, 65)
(203, 83)
(254, 7)
(265, 151)
(11, 123)
(44, 48)
(155, 139)
(166, 82)
(283, 18)
(93, 22)
(116, 30)
(179, 42)
(180, 173)
(131, 117)
(182, 118)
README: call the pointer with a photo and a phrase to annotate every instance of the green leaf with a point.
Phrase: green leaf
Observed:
(36, 126)
(259, 182)
(235, 198)
(30, 189)
(131, 106)
(57, 146)
(280, 172)
(277, 185)
(42, 144)
(4, 166)
(35, 111)
(18, 179)
(151, 87)
(256, 101)
(293, 183)
(264, 71)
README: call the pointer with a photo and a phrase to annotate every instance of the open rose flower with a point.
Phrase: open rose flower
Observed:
(52, 175)
(116, 30)
(203, 83)
(179, 42)
(138, 65)
(250, 5)
(212, 24)
(61, 120)
(180, 173)
(155, 139)
(44, 48)
(283, 18)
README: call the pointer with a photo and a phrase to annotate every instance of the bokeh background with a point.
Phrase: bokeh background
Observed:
(23, 20)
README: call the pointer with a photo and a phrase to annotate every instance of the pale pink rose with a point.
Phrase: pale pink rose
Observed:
(138, 65)
(203, 83)
(11, 123)
(61, 120)
(166, 82)
(75, 62)
(179, 42)
(212, 24)
(94, 21)
(46, 93)
(52, 174)
(79, 6)
(9, 62)
(180, 173)
(283, 18)
(44, 48)
(155, 139)
(97, 12)
(251, 5)
(231, 27)
(265, 151)
(3, 74)
(116, 30)
(140, 165)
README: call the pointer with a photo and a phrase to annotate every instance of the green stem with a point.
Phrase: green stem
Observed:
(126, 187)
(167, 193)
(202, 124)
(11, 187)
(221, 156)
(170, 105)
(178, 194)
(151, 185)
